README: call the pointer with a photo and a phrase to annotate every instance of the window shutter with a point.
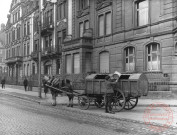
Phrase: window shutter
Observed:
(68, 64)
(81, 29)
(101, 25)
(76, 63)
(104, 62)
(108, 23)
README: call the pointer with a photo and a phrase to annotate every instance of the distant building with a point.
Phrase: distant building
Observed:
(3, 69)
(19, 40)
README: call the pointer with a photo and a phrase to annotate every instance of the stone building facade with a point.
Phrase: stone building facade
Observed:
(79, 37)
(3, 69)
(19, 40)
(128, 36)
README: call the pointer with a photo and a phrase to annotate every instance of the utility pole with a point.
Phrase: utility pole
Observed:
(39, 53)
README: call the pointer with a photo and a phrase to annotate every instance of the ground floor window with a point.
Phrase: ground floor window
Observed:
(48, 68)
(104, 62)
(129, 59)
(153, 57)
(76, 63)
(58, 68)
(33, 68)
(68, 64)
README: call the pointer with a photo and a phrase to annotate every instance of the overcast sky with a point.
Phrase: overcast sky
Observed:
(4, 10)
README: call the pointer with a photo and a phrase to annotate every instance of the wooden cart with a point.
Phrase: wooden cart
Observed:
(129, 88)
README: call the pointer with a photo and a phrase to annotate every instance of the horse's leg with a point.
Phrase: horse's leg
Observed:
(54, 99)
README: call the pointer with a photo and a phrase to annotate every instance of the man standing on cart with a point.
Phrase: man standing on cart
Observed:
(110, 83)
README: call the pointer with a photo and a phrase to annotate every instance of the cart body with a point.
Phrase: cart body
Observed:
(133, 85)
(128, 88)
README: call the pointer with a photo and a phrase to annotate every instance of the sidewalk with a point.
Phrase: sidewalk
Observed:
(64, 99)
(135, 114)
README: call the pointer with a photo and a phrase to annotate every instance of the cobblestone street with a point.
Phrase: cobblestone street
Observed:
(19, 117)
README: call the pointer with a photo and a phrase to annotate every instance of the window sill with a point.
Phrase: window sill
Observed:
(140, 27)
(104, 36)
(157, 71)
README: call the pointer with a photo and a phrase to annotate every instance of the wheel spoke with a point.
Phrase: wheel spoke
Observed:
(132, 100)
(130, 103)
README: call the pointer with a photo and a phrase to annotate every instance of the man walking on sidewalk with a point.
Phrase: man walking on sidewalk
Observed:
(25, 83)
(3, 81)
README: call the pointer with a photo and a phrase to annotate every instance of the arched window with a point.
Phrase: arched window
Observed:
(28, 70)
(24, 70)
(153, 57)
(129, 55)
(48, 68)
(33, 68)
(104, 62)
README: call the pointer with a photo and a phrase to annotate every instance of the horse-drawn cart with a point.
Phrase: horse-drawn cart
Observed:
(129, 88)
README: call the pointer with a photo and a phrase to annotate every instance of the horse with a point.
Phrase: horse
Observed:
(57, 87)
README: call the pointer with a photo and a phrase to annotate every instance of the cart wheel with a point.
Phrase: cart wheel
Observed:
(99, 102)
(118, 101)
(83, 102)
(131, 102)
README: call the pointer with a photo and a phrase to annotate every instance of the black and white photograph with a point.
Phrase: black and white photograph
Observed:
(88, 67)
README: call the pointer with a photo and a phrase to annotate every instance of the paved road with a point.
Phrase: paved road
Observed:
(20, 117)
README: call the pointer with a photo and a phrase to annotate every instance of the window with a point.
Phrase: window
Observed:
(24, 30)
(28, 48)
(28, 70)
(18, 33)
(76, 63)
(48, 68)
(59, 40)
(24, 70)
(36, 23)
(83, 26)
(35, 45)
(105, 24)
(28, 28)
(101, 25)
(48, 17)
(18, 51)
(83, 4)
(61, 10)
(50, 40)
(86, 24)
(68, 64)
(18, 14)
(33, 68)
(153, 57)
(142, 12)
(46, 42)
(129, 58)
(58, 69)
(7, 55)
(24, 50)
(108, 23)
(64, 34)
(81, 29)
(104, 62)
